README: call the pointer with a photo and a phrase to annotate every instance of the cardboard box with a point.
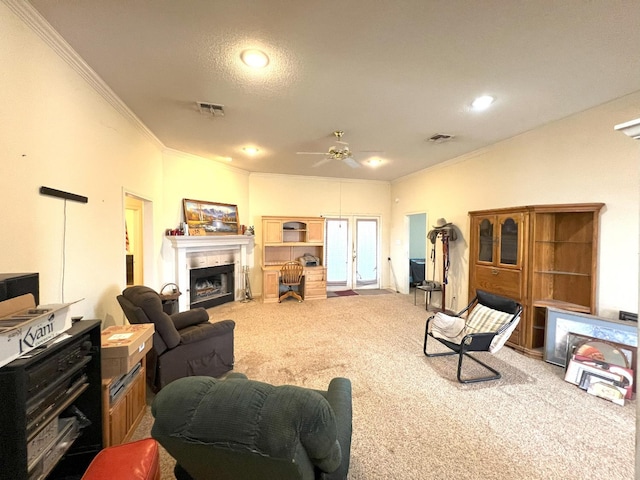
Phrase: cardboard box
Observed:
(123, 346)
(23, 326)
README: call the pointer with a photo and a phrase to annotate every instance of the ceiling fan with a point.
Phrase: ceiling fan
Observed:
(341, 152)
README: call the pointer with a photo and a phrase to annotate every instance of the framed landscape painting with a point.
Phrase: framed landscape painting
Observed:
(210, 218)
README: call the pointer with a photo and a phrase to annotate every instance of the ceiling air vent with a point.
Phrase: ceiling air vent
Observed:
(440, 138)
(211, 109)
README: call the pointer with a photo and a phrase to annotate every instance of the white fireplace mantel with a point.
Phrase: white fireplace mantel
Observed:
(203, 244)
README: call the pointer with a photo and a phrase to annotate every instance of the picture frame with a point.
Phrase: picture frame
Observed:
(210, 218)
(575, 340)
(559, 323)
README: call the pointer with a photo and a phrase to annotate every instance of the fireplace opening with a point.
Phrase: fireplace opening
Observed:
(211, 286)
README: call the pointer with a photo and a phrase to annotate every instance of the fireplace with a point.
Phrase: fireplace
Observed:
(200, 251)
(211, 286)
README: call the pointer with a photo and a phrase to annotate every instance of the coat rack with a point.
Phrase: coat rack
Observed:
(445, 232)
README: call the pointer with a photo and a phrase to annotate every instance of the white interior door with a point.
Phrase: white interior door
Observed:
(352, 253)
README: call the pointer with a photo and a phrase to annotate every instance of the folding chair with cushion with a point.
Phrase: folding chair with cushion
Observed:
(490, 321)
(290, 277)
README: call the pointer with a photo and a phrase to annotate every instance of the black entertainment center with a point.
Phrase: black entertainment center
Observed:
(51, 398)
(51, 415)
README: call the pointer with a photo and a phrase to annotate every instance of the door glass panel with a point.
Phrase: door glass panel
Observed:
(366, 252)
(337, 245)
(509, 242)
(485, 253)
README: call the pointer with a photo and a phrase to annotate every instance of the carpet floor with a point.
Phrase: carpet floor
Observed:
(411, 418)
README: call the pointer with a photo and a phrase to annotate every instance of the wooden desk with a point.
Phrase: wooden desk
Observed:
(314, 283)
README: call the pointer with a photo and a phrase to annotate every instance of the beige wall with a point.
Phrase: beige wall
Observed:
(264, 194)
(317, 196)
(60, 132)
(578, 159)
(57, 131)
(197, 178)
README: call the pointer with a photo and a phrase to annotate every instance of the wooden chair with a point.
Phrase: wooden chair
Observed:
(290, 277)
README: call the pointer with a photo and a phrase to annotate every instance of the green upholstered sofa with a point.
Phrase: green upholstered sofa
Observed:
(240, 429)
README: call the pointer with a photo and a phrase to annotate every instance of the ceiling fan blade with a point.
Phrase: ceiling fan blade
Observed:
(311, 153)
(321, 162)
(351, 162)
(343, 143)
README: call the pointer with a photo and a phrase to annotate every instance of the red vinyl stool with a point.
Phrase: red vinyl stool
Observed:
(138, 460)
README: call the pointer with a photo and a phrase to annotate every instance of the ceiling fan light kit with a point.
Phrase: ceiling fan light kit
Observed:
(344, 154)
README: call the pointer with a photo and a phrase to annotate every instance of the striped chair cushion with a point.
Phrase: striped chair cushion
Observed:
(485, 319)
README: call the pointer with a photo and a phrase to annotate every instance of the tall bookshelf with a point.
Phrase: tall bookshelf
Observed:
(564, 266)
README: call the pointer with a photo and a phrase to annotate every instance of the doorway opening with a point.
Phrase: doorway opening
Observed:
(137, 236)
(418, 259)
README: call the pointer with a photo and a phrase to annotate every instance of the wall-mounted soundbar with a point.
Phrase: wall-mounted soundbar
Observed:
(60, 194)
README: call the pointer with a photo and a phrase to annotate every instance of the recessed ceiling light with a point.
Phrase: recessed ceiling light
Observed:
(483, 102)
(374, 162)
(254, 58)
(250, 150)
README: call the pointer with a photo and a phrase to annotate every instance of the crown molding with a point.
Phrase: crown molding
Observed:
(32, 18)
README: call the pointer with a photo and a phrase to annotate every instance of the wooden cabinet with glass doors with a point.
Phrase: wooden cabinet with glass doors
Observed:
(541, 256)
(498, 263)
(287, 239)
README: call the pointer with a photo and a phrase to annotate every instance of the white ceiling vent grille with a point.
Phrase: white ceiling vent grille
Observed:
(211, 109)
(440, 138)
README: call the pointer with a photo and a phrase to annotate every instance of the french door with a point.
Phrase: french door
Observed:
(352, 253)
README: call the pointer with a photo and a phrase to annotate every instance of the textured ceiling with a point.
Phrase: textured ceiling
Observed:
(390, 74)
